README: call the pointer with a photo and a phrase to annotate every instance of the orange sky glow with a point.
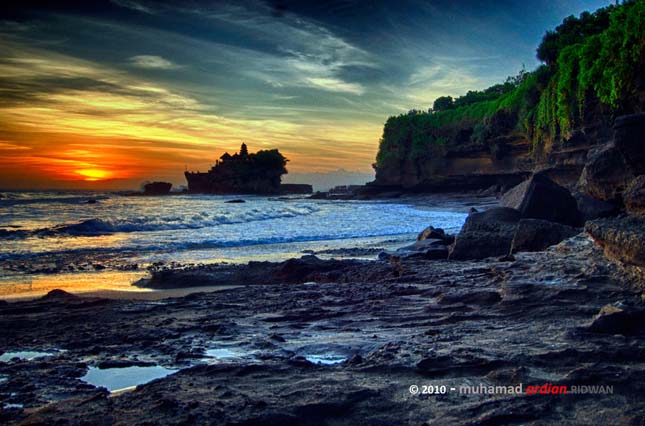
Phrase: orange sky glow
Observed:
(91, 139)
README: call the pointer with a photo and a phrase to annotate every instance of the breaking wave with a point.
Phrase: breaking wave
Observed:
(97, 227)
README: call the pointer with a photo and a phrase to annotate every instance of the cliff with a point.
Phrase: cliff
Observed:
(547, 120)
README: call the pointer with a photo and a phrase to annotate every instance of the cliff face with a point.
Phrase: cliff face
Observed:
(470, 166)
(548, 120)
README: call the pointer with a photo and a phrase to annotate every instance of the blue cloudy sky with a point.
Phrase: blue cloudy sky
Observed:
(110, 93)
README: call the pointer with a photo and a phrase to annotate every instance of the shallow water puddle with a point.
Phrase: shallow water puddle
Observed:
(24, 355)
(123, 378)
(325, 359)
(223, 353)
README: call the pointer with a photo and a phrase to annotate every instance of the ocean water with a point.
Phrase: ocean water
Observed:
(54, 230)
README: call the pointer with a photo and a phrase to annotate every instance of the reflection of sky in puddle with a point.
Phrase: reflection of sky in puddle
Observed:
(116, 379)
(78, 282)
(325, 359)
(25, 355)
(13, 406)
(223, 353)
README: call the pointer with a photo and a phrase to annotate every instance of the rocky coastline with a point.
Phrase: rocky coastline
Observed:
(530, 293)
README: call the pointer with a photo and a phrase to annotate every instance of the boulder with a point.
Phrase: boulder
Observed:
(634, 196)
(436, 233)
(605, 176)
(611, 167)
(431, 232)
(486, 234)
(623, 241)
(614, 320)
(591, 208)
(537, 235)
(541, 198)
(432, 248)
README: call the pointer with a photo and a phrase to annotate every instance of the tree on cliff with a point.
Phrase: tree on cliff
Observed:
(572, 30)
(594, 70)
(443, 103)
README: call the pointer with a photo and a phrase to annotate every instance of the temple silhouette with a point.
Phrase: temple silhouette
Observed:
(245, 173)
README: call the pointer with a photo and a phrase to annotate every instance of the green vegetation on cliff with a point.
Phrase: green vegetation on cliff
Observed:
(592, 64)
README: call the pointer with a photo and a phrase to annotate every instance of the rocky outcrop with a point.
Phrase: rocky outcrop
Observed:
(611, 167)
(605, 175)
(157, 188)
(634, 196)
(537, 235)
(486, 234)
(295, 188)
(623, 240)
(541, 198)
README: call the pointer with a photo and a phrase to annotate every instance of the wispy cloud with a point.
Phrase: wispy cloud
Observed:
(134, 5)
(152, 62)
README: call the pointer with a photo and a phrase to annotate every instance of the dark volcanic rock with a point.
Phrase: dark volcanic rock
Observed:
(537, 235)
(605, 175)
(591, 208)
(623, 240)
(157, 188)
(541, 198)
(462, 323)
(426, 249)
(629, 134)
(431, 232)
(611, 168)
(486, 234)
(58, 294)
(634, 196)
(614, 320)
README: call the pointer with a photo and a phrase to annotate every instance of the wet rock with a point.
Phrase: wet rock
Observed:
(277, 337)
(355, 360)
(58, 294)
(614, 320)
(634, 196)
(431, 233)
(384, 255)
(235, 201)
(541, 198)
(537, 235)
(91, 201)
(486, 234)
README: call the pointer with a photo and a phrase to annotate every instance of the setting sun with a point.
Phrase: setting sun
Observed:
(94, 174)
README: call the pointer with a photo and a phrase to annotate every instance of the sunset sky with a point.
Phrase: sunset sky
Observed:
(107, 94)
